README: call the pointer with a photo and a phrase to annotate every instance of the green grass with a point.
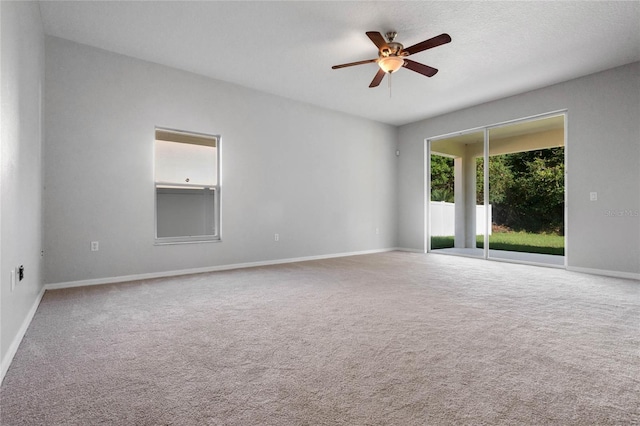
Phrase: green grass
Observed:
(513, 241)
(441, 242)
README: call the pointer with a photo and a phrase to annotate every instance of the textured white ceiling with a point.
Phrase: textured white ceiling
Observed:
(288, 48)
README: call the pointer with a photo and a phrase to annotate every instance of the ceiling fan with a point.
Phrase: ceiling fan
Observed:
(392, 55)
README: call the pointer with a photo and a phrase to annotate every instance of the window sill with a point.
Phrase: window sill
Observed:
(175, 241)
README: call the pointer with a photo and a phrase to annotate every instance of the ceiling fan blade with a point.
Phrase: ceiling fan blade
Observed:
(378, 78)
(350, 64)
(377, 39)
(428, 44)
(420, 68)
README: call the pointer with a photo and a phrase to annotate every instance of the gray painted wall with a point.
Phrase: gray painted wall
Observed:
(21, 200)
(603, 150)
(323, 180)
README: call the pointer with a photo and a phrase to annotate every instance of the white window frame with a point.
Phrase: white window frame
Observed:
(216, 236)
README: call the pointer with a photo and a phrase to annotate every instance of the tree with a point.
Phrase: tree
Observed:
(442, 178)
(536, 197)
(500, 179)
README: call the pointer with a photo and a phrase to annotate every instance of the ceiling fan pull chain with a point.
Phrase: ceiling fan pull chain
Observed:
(390, 85)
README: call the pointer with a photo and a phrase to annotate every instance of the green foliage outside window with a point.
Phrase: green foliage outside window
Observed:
(526, 189)
(441, 178)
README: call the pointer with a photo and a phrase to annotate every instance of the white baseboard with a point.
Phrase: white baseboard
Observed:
(605, 272)
(164, 274)
(13, 348)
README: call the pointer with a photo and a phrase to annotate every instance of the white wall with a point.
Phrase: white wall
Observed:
(603, 150)
(22, 73)
(321, 179)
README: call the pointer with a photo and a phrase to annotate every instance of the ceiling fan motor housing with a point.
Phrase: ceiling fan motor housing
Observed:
(391, 49)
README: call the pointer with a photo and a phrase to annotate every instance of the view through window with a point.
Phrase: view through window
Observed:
(187, 186)
(522, 216)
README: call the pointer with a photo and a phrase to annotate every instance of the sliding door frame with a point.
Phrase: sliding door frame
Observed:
(485, 129)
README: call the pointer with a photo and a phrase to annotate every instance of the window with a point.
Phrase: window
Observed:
(187, 187)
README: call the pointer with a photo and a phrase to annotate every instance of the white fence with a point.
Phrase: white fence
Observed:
(443, 219)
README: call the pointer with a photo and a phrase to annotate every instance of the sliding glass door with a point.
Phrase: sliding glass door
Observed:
(527, 190)
(498, 192)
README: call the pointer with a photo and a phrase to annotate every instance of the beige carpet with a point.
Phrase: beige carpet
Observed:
(384, 339)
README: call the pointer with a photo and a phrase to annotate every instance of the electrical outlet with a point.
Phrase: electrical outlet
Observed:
(593, 196)
(276, 237)
(95, 245)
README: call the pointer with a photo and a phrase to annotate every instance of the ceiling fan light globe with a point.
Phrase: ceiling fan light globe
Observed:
(391, 64)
